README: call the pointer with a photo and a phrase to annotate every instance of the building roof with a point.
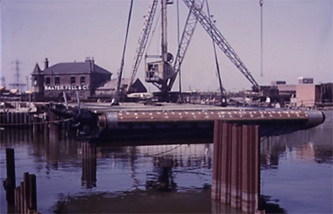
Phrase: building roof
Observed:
(112, 84)
(36, 70)
(75, 68)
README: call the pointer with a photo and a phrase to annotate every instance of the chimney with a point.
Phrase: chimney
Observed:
(46, 63)
(91, 63)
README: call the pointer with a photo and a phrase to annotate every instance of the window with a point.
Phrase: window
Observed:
(35, 82)
(57, 80)
(48, 80)
(82, 80)
(72, 80)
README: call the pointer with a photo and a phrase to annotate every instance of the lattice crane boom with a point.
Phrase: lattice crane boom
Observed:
(220, 41)
(188, 31)
(143, 39)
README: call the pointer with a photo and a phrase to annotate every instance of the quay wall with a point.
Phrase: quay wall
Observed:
(16, 119)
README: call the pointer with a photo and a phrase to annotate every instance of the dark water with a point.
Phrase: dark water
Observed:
(73, 177)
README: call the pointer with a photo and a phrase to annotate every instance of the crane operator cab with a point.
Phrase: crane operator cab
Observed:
(159, 72)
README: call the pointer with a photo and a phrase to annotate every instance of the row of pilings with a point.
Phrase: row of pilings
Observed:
(39, 121)
(22, 119)
(236, 169)
(236, 166)
(24, 196)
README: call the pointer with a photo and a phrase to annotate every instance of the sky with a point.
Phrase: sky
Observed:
(297, 39)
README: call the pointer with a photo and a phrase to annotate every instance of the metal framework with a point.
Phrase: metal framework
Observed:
(143, 40)
(166, 78)
(188, 31)
(220, 41)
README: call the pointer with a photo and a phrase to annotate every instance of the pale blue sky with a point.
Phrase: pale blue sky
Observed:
(297, 38)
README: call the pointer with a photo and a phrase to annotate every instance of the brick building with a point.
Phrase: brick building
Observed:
(69, 77)
(308, 95)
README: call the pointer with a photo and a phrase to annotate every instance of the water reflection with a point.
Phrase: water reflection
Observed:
(88, 165)
(311, 145)
(77, 176)
(297, 169)
(162, 176)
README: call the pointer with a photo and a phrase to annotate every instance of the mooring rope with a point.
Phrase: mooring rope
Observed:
(164, 152)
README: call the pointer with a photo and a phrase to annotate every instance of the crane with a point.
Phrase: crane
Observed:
(149, 18)
(188, 31)
(161, 73)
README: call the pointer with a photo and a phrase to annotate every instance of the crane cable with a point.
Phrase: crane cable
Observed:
(261, 2)
(178, 37)
(116, 101)
(216, 60)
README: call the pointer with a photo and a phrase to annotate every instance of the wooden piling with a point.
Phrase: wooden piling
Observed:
(26, 195)
(36, 126)
(216, 190)
(225, 169)
(88, 178)
(21, 205)
(10, 182)
(33, 192)
(251, 169)
(16, 119)
(53, 127)
(17, 196)
(26, 190)
(236, 165)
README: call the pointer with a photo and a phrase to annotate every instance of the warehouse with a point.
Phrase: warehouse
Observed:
(69, 77)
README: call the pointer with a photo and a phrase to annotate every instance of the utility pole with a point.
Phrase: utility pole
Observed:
(17, 71)
(27, 82)
(3, 81)
(17, 74)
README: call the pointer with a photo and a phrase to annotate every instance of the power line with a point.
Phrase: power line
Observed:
(17, 74)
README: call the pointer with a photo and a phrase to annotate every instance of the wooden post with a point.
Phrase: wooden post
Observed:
(236, 165)
(53, 128)
(35, 125)
(225, 169)
(88, 178)
(21, 205)
(217, 161)
(18, 198)
(10, 182)
(251, 170)
(26, 191)
(33, 193)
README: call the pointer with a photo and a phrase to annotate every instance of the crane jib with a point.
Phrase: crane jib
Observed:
(220, 41)
(166, 79)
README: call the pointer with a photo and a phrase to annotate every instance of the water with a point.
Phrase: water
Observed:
(296, 174)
